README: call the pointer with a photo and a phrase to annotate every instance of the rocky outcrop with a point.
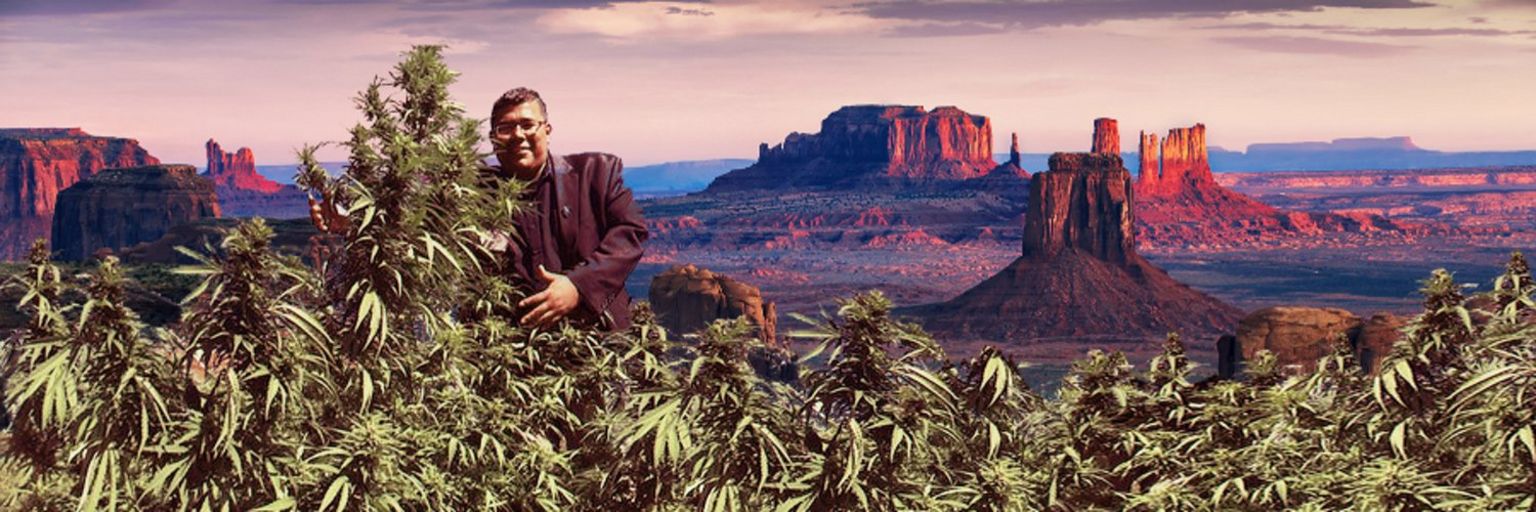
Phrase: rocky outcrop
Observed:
(1180, 204)
(1300, 336)
(1079, 277)
(687, 298)
(1493, 178)
(1377, 336)
(1106, 136)
(236, 170)
(118, 208)
(872, 144)
(1013, 152)
(1083, 204)
(1147, 155)
(245, 193)
(37, 163)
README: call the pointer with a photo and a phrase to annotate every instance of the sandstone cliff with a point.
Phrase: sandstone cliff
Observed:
(36, 163)
(1079, 277)
(872, 144)
(118, 208)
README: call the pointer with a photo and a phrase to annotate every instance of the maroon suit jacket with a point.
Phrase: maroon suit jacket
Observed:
(601, 221)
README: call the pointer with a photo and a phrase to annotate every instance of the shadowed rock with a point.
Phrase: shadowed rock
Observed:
(119, 208)
(687, 298)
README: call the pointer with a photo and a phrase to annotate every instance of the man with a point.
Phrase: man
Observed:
(581, 236)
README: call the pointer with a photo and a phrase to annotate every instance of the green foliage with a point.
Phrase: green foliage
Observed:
(391, 375)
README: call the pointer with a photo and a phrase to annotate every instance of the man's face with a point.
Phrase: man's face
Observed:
(521, 138)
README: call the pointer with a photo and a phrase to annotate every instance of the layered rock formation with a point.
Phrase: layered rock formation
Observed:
(245, 193)
(36, 163)
(687, 298)
(1106, 136)
(1180, 204)
(236, 170)
(1079, 277)
(872, 144)
(1300, 336)
(118, 208)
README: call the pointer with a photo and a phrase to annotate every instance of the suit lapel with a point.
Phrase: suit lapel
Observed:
(567, 189)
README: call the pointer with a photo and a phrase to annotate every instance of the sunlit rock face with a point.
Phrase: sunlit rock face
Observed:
(1180, 203)
(37, 163)
(865, 145)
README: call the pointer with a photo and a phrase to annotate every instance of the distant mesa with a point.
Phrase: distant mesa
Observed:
(1338, 145)
(871, 145)
(118, 208)
(37, 163)
(1079, 276)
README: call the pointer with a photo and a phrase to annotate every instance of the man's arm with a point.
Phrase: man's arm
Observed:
(618, 251)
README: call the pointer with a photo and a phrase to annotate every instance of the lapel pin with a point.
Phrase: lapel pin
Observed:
(565, 211)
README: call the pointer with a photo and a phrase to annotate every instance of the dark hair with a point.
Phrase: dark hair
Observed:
(515, 97)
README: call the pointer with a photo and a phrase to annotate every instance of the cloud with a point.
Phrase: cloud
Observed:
(669, 21)
(945, 30)
(1375, 31)
(689, 12)
(1515, 4)
(74, 7)
(1030, 14)
(1314, 46)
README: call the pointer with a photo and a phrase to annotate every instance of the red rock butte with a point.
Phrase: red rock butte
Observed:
(865, 145)
(1106, 136)
(237, 170)
(1181, 204)
(1079, 277)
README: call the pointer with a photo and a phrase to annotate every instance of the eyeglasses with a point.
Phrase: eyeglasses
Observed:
(520, 128)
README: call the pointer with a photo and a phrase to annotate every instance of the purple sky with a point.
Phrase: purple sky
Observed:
(660, 81)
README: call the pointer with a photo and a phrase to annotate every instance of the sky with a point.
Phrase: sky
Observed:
(665, 81)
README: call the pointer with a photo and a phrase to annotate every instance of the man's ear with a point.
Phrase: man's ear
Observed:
(548, 128)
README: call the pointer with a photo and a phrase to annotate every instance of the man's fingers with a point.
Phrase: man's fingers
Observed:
(547, 319)
(533, 317)
(545, 274)
(537, 298)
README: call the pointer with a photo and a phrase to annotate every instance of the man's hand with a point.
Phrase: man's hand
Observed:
(552, 304)
(324, 215)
